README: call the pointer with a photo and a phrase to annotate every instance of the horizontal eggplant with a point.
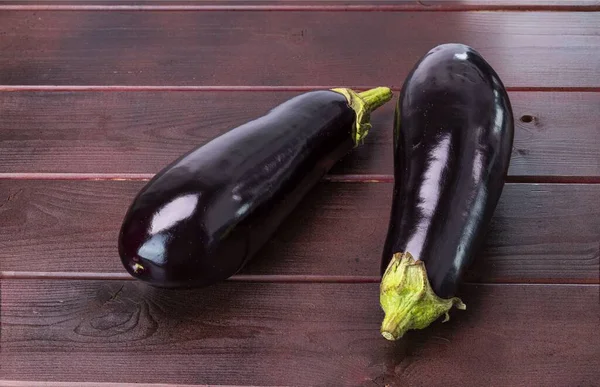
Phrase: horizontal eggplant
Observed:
(204, 216)
(453, 135)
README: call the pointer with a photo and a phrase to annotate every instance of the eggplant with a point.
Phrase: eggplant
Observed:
(453, 135)
(205, 215)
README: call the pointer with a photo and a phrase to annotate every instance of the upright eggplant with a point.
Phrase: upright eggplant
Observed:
(199, 220)
(453, 135)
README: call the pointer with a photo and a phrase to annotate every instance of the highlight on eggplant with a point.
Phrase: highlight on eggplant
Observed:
(204, 216)
(453, 135)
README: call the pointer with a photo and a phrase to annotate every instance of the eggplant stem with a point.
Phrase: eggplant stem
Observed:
(407, 298)
(363, 104)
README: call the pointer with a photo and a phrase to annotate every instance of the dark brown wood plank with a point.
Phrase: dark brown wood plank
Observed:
(288, 48)
(141, 132)
(282, 334)
(540, 232)
(37, 383)
(350, 5)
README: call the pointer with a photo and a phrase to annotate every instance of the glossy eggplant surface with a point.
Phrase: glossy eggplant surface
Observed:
(200, 219)
(453, 135)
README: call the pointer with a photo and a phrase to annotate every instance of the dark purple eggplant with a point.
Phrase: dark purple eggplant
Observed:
(453, 135)
(204, 216)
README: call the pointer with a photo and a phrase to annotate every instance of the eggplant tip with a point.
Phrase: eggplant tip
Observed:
(137, 268)
(388, 335)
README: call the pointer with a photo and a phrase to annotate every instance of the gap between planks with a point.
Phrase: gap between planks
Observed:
(270, 278)
(414, 7)
(342, 178)
(24, 383)
(274, 278)
(59, 88)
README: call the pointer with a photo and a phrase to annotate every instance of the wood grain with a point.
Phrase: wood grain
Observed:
(540, 232)
(37, 383)
(288, 48)
(282, 334)
(422, 3)
(343, 5)
(141, 132)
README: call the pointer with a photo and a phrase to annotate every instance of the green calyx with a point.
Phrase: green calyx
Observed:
(363, 104)
(407, 298)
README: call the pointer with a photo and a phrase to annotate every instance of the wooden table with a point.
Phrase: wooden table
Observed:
(94, 99)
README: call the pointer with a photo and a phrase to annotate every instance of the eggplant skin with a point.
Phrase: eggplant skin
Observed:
(453, 136)
(201, 218)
